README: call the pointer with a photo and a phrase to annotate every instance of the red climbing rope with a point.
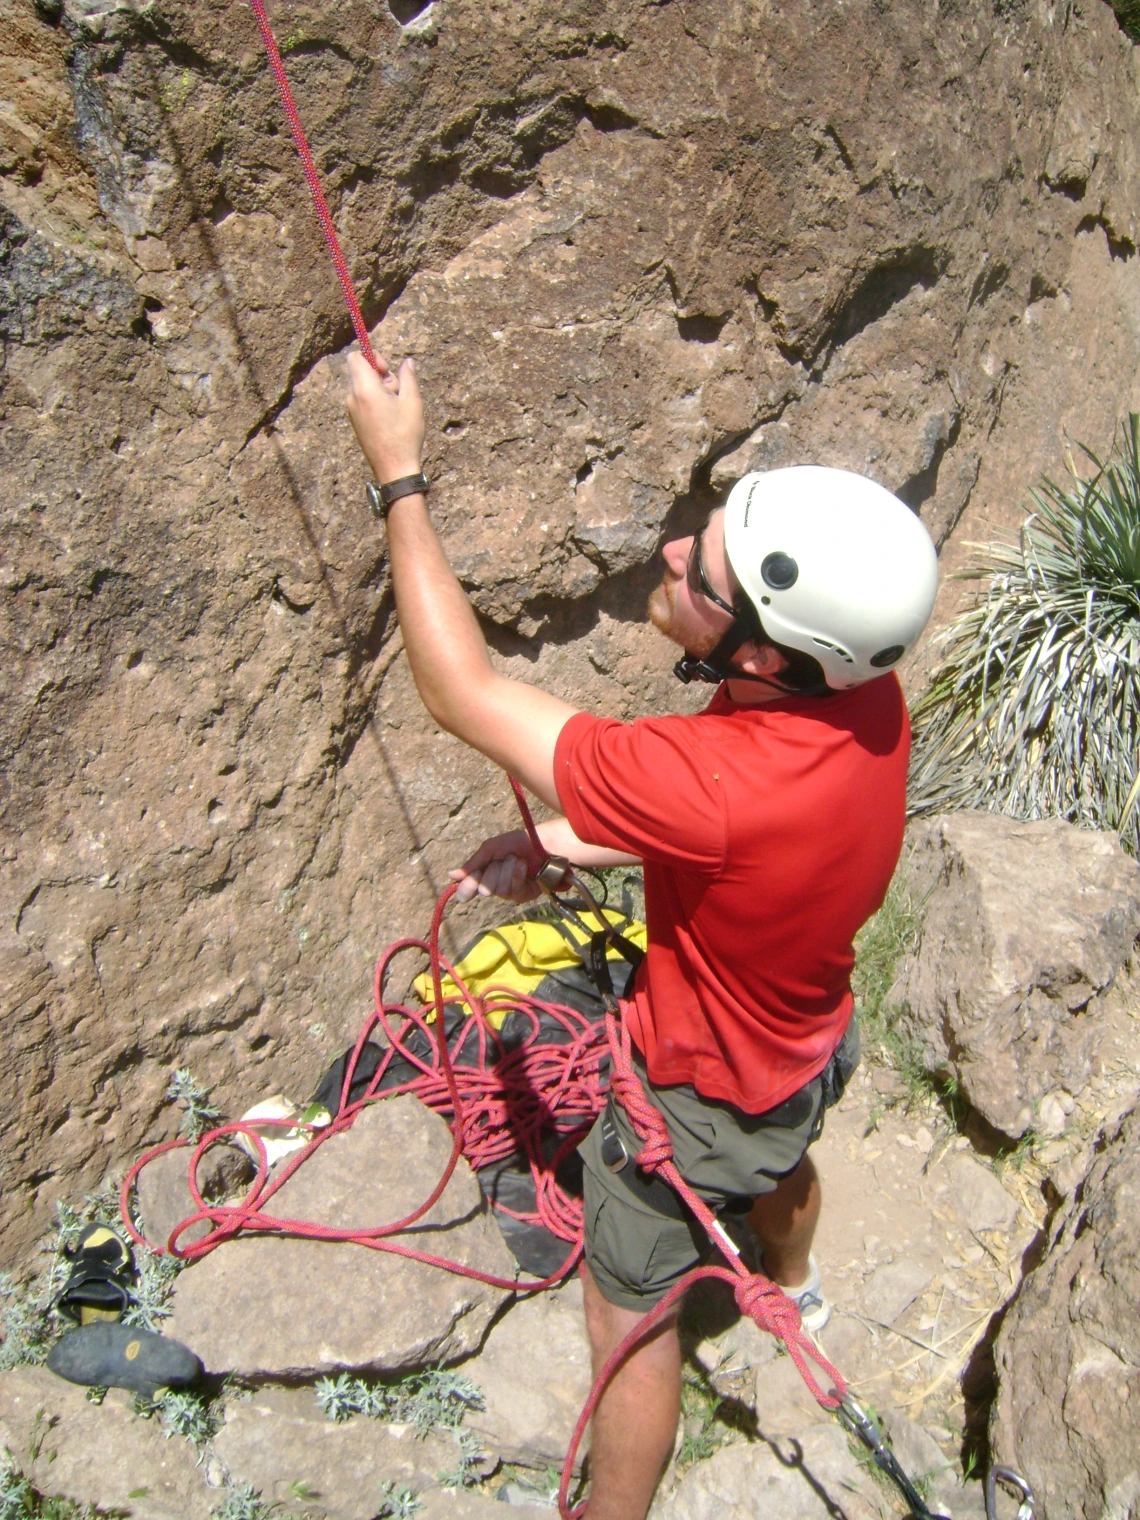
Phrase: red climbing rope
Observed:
(309, 167)
(505, 1100)
(507, 1097)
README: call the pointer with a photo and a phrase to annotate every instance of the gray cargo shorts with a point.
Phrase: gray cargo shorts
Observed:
(640, 1238)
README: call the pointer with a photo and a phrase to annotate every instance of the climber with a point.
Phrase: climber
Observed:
(768, 826)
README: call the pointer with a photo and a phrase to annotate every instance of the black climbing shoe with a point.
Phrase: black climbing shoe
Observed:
(122, 1356)
(96, 1288)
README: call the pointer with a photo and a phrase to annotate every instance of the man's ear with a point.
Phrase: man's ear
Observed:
(759, 660)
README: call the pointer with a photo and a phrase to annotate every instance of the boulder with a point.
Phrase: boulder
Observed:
(1026, 926)
(977, 1195)
(1067, 1413)
(535, 1375)
(165, 1200)
(268, 1307)
(927, 1465)
(98, 1454)
(813, 1476)
(280, 1442)
(891, 1289)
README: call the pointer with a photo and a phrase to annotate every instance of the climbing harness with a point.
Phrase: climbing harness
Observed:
(508, 1093)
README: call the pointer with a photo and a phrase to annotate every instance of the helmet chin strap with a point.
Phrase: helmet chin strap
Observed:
(715, 667)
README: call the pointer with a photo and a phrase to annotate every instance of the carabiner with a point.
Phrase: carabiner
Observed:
(1013, 1480)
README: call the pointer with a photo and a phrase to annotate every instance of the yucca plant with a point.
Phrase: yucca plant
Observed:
(1034, 710)
(1128, 14)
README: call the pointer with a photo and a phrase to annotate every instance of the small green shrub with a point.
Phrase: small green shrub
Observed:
(880, 945)
(1128, 14)
(200, 1114)
(426, 1400)
(188, 1415)
(20, 1500)
(397, 1503)
(1035, 709)
(471, 1459)
(243, 1502)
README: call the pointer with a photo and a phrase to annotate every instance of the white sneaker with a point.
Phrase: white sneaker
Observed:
(815, 1311)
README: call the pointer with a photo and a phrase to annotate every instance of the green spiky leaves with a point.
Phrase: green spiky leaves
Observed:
(1035, 709)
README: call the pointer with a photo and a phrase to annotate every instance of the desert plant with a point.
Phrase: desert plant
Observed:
(1128, 14)
(470, 1459)
(1035, 709)
(200, 1114)
(188, 1415)
(397, 1503)
(19, 1500)
(433, 1399)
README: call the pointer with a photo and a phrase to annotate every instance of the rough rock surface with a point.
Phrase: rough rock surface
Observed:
(814, 1475)
(535, 1375)
(99, 1454)
(1068, 1356)
(165, 1200)
(637, 248)
(281, 1444)
(1025, 929)
(266, 1307)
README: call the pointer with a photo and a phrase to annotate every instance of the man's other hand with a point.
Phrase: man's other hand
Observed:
(387, 414)
(500, 867)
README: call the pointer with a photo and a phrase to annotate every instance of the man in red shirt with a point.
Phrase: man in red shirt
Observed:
(768, 828)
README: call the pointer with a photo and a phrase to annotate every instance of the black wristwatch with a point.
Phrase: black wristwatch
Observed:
(380, 498)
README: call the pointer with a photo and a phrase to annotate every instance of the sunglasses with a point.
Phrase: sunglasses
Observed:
(698, 582)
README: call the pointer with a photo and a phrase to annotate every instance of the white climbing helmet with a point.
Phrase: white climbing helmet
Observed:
(835, 566)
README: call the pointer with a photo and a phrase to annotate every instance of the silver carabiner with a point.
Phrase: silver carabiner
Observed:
(1012, 1480)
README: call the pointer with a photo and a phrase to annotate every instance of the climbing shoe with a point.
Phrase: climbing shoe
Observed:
(123, 1356)
(96, 1287)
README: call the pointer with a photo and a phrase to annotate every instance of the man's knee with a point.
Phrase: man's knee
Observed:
(608, 1324)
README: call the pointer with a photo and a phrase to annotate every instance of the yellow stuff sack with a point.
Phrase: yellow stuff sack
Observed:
(516, 957)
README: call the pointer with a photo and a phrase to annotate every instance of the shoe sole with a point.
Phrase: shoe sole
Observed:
(121, 1356)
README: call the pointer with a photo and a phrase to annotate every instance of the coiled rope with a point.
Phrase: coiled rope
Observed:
(507, 1097)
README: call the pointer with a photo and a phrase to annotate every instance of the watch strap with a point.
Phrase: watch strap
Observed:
(381, 497)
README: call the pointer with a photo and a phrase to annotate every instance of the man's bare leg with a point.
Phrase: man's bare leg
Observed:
(635, 1423)
(785, 1221)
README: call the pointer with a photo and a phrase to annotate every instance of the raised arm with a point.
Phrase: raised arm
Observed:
(512, 723)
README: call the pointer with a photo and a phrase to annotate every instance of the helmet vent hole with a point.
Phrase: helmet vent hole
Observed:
(779, 571)
(765, 601)
(835, 649)
(889, 656)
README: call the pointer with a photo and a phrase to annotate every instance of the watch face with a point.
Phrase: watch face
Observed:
(375, 500)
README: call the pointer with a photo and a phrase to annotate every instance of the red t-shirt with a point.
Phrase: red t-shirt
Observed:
(769, 835)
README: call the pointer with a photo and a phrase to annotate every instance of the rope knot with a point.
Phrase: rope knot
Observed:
(655, 1152)
(767, 1303)
(648, 1122)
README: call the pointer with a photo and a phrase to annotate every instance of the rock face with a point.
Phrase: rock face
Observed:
(101, 1454)
(534, 1372)
(781, 1479)
(280, 1443)
(637, 249)
(1068, 1356)
(1026, 927)
(266, 1307)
